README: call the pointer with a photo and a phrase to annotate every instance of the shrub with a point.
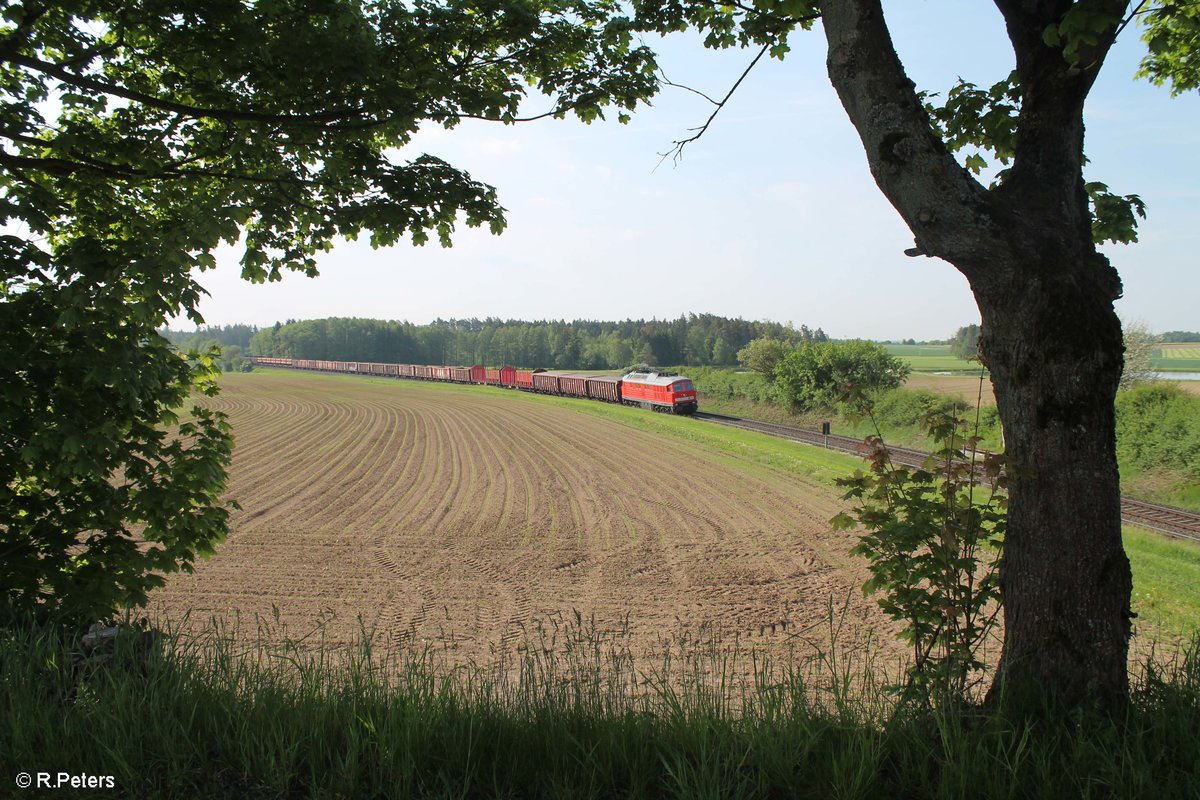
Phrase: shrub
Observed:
(815, 375)
(1158, 427)
(896, 408)
(932, 542)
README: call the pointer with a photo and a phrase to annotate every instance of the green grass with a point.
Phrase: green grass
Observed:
(921, 350)
(1161, 486)
(1175, 364)
(200, 717)
(1166, 574)
(932, 358)
(1180, 352)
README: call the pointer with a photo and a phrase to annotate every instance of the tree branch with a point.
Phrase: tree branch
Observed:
(677, 150)
(950, 213)
(66, 166)
(226, 114)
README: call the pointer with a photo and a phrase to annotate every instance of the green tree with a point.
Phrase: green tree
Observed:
(137, 137)
(763, 354)
(722, 353)
(965, 343)
(1026, 243)
(816, 374)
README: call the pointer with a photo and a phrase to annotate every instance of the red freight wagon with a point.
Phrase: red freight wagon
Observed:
(508, 376)
(493, 377)
(545, 382)
(478, 374)
(377, 369)
(404, 370)
(573, 385)
(604, 387)
(460, 374)
(662, 391)
(524, 378)
(422, 371)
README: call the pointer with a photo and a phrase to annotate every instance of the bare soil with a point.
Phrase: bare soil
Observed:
(459, 518)
(965, 386)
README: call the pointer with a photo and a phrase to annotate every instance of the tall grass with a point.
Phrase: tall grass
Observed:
(568, 715)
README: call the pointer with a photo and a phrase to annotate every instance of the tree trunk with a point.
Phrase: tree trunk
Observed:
(1050, 337)
(1054, 350)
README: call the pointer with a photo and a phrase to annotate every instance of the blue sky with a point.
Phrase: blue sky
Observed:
(771, 215)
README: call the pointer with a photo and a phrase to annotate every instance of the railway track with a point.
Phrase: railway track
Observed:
(1176, 522)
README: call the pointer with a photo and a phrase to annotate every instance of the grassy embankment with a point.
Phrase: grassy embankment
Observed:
(1159, 441)
(208, 719)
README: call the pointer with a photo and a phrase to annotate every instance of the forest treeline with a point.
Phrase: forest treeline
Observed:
(692, 340)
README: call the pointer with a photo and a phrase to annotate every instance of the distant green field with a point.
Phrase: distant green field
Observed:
(931, 358)
(1180, 351)
(1177, 358)
(1175, 364)
(909, 350)
(937, 358)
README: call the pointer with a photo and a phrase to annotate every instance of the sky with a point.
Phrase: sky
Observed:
(771, 215)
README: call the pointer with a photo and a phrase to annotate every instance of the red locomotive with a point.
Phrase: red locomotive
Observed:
(661, 391)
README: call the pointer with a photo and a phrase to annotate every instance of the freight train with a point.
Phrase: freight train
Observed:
(657, 391)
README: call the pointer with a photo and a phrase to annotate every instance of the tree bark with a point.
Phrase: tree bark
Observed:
(1050, 338)
(1053, 344)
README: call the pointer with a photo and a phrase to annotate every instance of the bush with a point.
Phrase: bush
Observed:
(816, 375)
(1158, 427)
(898, 408)
(723, 384)
(932, 540)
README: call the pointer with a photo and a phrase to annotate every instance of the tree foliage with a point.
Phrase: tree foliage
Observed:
(1172, 36)
(763, 355)
(1158, 429)
(1179, 336)
(137, 137)
(816, 374)
(691, 340)
(965, 342)
(932, 539)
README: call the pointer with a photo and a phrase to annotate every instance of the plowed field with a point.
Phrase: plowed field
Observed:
(459, 516)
